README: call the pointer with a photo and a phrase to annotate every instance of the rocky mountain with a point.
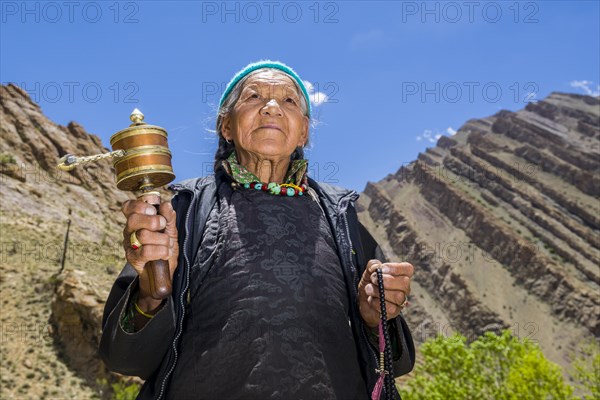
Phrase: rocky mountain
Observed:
(500, 220)
(502, 223)
(47, 345)
(30, 147)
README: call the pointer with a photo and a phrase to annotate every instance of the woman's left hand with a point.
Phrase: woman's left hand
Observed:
(396, 284)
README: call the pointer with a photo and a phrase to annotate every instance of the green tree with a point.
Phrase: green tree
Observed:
(587, 369)
(499, 367)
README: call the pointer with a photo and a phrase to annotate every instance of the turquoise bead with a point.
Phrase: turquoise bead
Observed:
(258, 186)
(246, 185)
(290, 192)
(274, 189)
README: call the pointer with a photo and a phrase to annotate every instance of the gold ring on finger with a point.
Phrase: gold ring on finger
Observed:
(133, 240)
(405, 303)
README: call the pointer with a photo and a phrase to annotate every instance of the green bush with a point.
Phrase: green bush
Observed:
(122, 391)
(500, 367)
(6, 158)
(119, 390)
(587, 370)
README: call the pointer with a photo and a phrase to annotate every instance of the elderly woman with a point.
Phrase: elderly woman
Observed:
(275, 283)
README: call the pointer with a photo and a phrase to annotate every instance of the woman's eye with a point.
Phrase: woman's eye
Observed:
(289, 99)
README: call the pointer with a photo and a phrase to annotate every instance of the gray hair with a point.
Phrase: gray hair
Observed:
(225, 149)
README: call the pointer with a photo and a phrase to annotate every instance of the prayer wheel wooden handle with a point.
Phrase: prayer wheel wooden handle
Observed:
(158, 270)
(160, 279)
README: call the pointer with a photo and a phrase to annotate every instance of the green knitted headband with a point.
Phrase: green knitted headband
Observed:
(266, 64)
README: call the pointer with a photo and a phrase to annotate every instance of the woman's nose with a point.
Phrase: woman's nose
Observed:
(271, 108)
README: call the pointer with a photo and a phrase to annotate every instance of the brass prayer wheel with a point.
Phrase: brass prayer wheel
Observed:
(142, 162)
(147, 159)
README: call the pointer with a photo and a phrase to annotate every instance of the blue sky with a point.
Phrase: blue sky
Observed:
(395, 75)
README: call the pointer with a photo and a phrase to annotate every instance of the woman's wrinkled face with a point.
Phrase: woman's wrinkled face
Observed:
(267, 120)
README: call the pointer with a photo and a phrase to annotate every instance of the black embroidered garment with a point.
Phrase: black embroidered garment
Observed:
(268, 312)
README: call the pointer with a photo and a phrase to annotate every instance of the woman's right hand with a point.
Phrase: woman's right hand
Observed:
(156, 245)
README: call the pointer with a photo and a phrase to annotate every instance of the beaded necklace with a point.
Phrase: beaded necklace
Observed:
(284, 189)
(295, 181)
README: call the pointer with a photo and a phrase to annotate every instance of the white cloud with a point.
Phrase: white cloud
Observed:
(586, 87)
(316, 98)
(309, 86)
(427, 135)
(434, 136)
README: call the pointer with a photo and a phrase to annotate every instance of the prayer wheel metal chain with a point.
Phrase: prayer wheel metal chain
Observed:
(69, 161)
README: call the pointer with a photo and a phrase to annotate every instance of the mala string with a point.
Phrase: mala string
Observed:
(386, 375)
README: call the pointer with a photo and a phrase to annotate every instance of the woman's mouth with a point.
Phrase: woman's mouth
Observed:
(270, 126)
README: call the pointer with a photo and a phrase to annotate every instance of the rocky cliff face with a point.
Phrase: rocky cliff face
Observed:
(77, 311)
(30, 147)
(41, 358)
(501, 222)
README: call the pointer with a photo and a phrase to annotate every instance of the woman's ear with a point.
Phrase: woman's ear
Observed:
(226, 127)
(304, 136)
